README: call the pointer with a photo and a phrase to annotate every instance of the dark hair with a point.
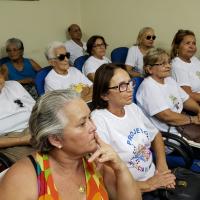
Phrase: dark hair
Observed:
(178, 38)
(91, 41)
(102, 78)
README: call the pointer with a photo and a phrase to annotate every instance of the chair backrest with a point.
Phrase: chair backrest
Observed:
(119, 54)
(138, 81)
(4, 60)
(40, 79)
(79, 62)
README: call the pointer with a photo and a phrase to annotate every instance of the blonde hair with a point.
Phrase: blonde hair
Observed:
(141, 34)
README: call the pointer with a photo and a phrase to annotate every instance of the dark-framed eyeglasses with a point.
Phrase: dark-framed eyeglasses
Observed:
(61, 57)
(123, 86)
(149, 37)
(162, 64)
(100, 45)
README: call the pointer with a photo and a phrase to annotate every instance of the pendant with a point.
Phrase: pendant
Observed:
(81, 189)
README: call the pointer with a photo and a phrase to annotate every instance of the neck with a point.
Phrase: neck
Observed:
(99, 57)
(159, 80)
(65, 162)
(185, 59)
(78, 41)
(61, 72)
(144, 49)
(116, 110)
(17, 61)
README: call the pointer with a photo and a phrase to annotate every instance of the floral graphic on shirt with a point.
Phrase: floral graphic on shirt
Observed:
(174, 100)
(198, 74)
(78, 87)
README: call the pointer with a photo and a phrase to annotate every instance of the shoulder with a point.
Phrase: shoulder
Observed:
(15, 181)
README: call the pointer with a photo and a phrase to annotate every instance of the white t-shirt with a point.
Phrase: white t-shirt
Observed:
(130, 136)
(92, 64)
(55, 81)
(14, 118)
(187, 74)
(75, 50)
(154, 97)
(135, 59)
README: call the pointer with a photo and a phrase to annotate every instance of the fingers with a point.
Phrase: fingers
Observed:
(99, 141)
(95, 155)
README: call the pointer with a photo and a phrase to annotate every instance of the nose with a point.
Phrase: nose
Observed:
(92, 126)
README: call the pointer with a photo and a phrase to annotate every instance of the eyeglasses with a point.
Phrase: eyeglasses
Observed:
(124, 86)
(61, 57)
(161, 64)
(100, 45)
(149, 37)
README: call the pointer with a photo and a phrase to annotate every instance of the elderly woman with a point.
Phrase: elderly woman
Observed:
(161, 98)
(123, 125)
(63, 167)
(62, 76)
(185, 66)
(96, 47)
(134, 60)
(19, 68)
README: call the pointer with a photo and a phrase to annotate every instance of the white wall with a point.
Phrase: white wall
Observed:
(120, 21)
(37, 23)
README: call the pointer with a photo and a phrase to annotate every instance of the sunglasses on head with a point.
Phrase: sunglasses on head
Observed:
(61, 57)
(149, 37)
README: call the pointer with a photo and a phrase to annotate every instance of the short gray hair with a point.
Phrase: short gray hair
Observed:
(50, 50)
(153, 56)
(17, 42)
(46, 117)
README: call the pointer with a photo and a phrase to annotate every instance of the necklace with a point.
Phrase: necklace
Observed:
(81, 189)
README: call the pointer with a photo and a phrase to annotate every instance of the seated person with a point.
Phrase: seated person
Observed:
(16, 105)
(134, 59)
(62, 76)
(19, 68)
(61, 168)
(123, 125)
(76, 47)
(161, 98)
(96, 47)
(185, 65)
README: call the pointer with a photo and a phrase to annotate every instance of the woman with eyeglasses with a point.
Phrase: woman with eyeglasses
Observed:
(96, 48)
(161, 98)
(123, 125)
(185, 65)
(19, 68)
(64, 76)
(134, 60)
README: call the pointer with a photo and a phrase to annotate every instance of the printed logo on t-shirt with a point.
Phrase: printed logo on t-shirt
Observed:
(141, 152)
(198, 74)
(174, 101)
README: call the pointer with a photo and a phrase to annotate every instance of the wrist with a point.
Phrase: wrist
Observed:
(190, 120)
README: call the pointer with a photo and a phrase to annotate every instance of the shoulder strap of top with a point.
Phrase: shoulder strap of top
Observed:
(33, 162)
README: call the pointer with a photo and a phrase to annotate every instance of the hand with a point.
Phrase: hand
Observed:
(106, 155)
(86, 93)
(160, 180)
(195, 119)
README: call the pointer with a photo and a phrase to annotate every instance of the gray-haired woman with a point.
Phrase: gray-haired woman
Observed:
(67, 146)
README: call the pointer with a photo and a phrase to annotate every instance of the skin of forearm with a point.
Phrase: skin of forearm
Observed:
(13, 141)
(124, 178)
(191, 105)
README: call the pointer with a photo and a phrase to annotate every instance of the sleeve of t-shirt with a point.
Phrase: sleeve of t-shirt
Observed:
(100, 124)
(149, 126)
(151, 100)
(131, 59)
(83, 78)
(180, 75)
(50, 83)
(88, 67)
(184, 96)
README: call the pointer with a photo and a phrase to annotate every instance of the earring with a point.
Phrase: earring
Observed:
(59, 147)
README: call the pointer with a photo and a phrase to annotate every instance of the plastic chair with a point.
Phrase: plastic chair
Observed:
(119, 54)
(40, 79)
(4, 60)
(79, 62)
(138, 81)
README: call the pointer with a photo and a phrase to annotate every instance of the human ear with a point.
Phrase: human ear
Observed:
(55, 141)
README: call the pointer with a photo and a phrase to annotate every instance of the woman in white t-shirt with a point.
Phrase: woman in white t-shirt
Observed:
(161, 98)
(134, 59)
(123, 125)
(96, 47)
(185, 66)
